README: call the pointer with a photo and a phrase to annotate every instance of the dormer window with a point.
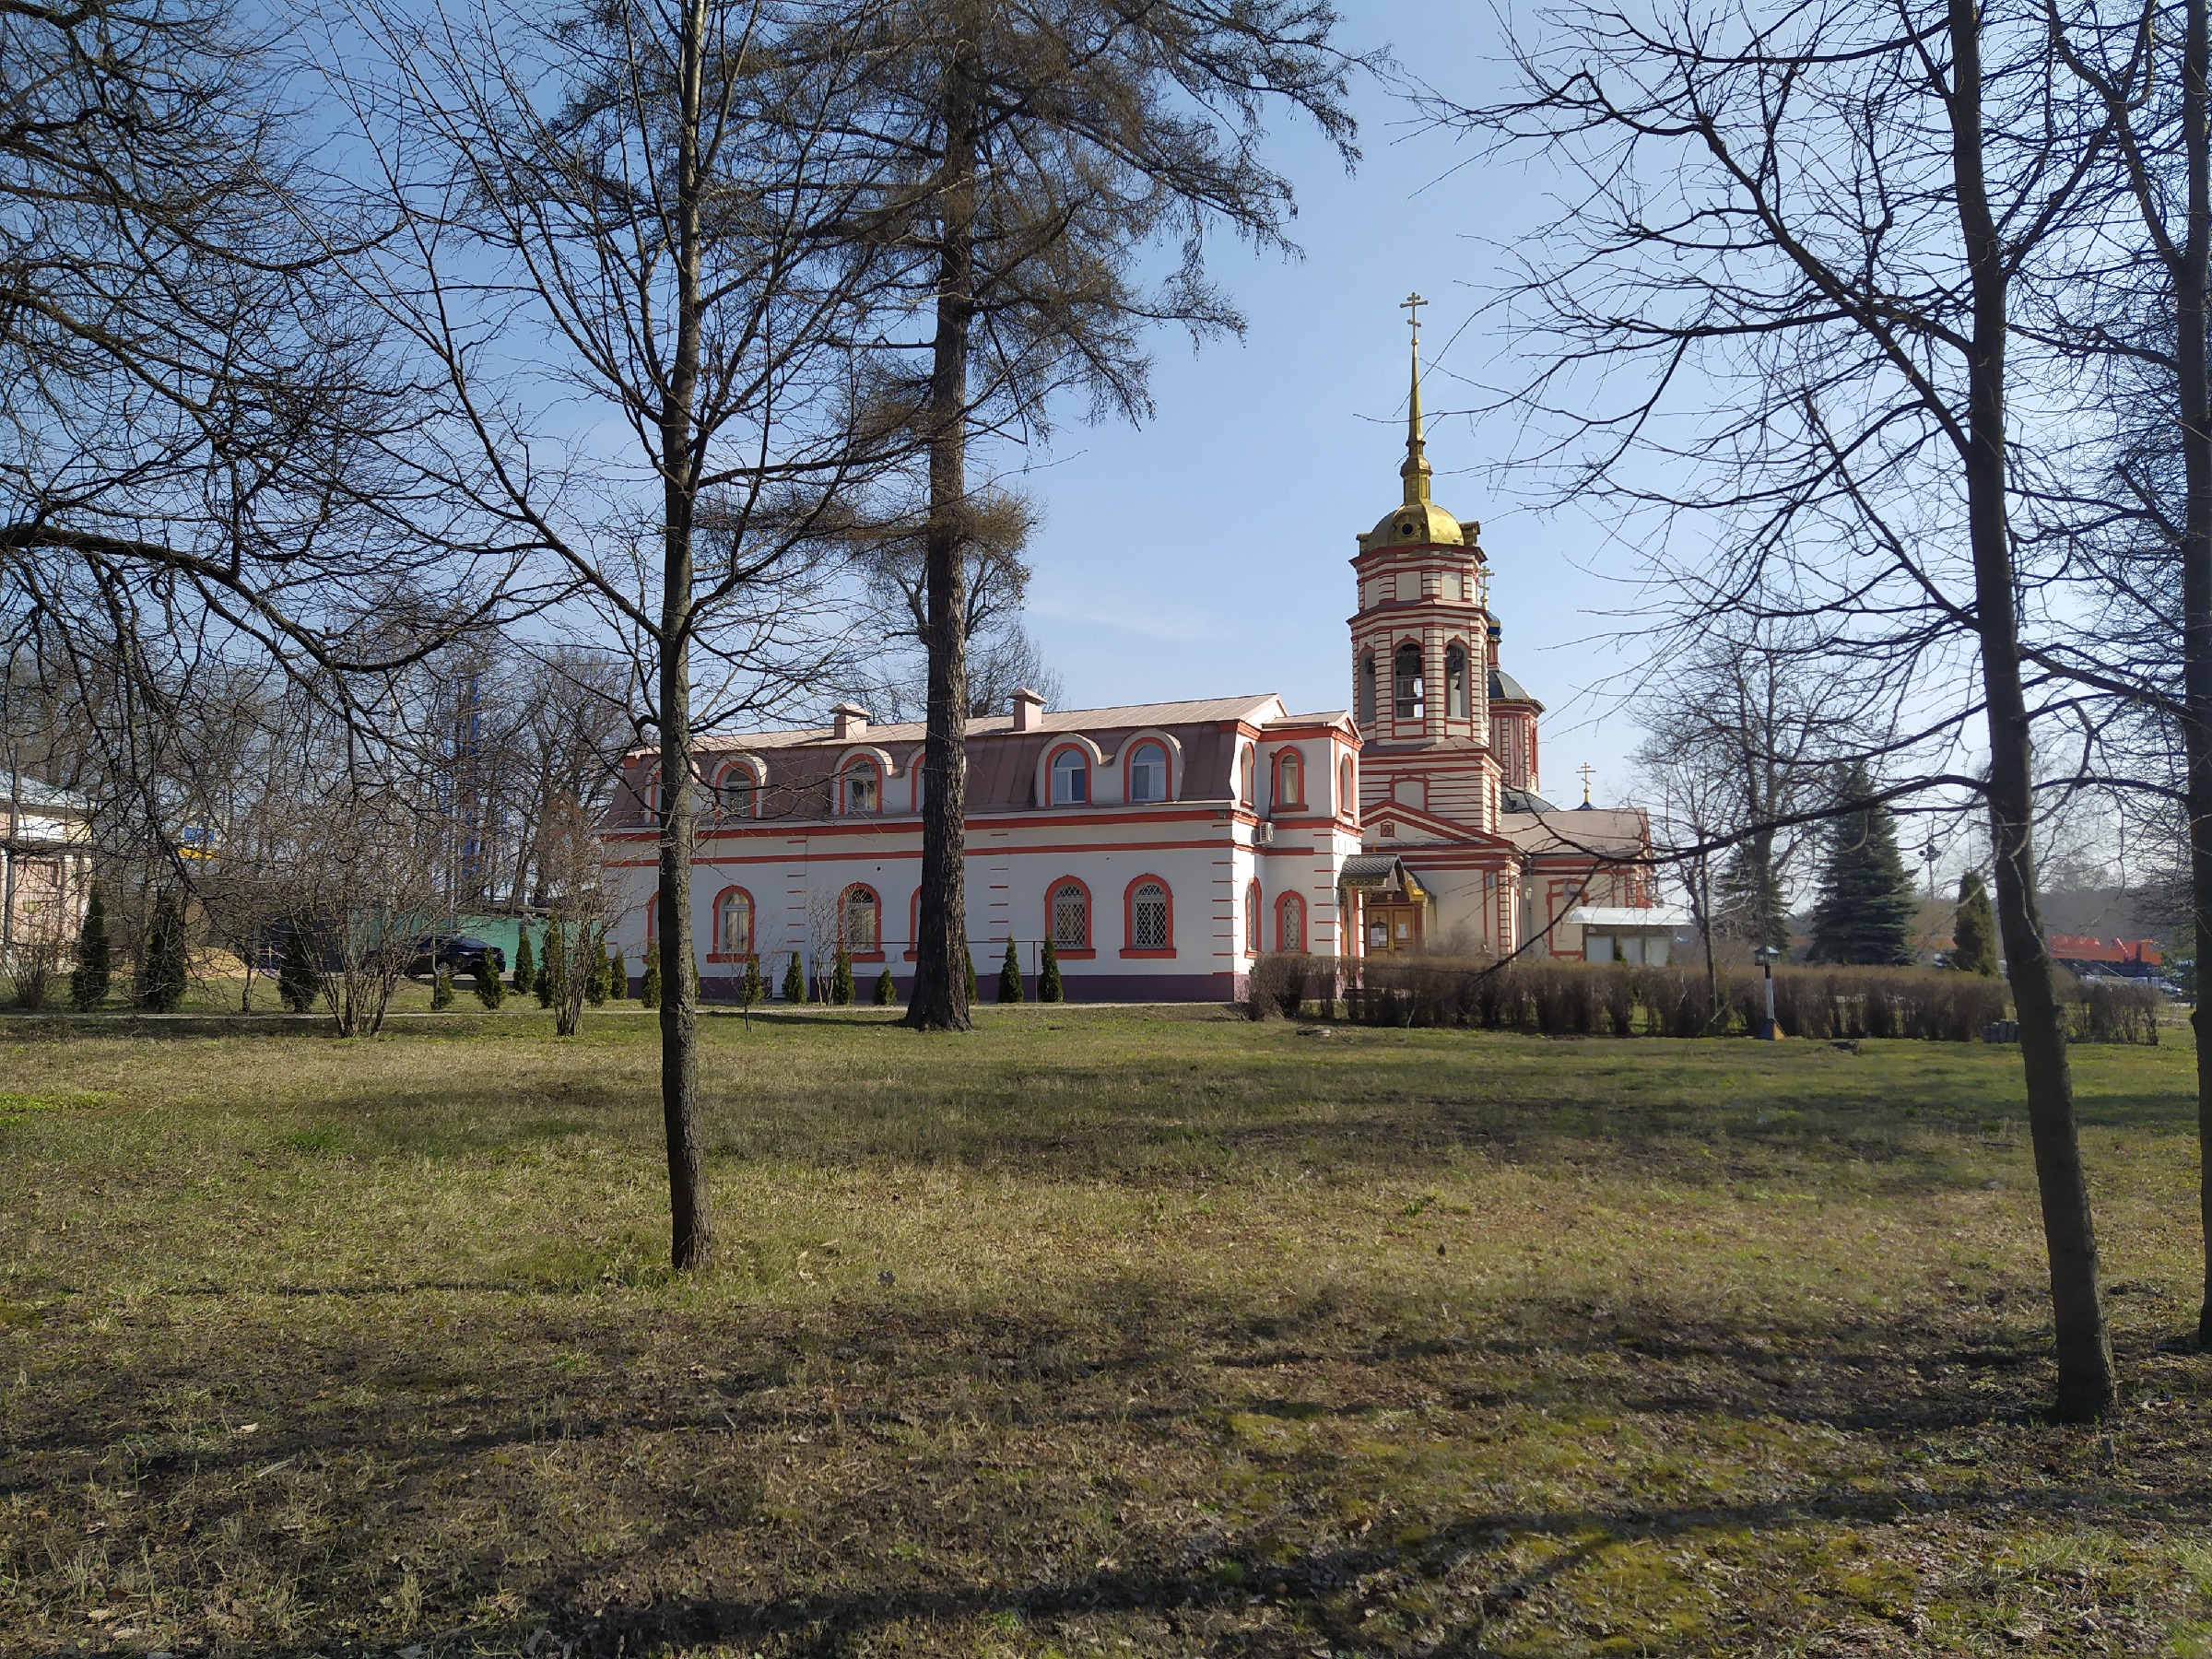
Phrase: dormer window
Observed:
(737, 792)
(1148, 772)
(1290, 780)
(1244, 771)
(1071, 778)
(860, 789)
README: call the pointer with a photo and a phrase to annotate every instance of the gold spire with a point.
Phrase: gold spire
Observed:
(1416, 472)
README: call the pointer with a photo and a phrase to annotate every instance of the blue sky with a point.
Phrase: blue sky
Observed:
(1206, 552)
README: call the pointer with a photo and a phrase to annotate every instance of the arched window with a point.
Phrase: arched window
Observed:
(1151, 921)
(1406, 678)
(1347, 803)
(1071, 778)
(1068, 913)
(1367, 689)
(860, 788)
(861, 921)
(1456, 681)
(1290, 780)
(1289, 922)
(1244, 769)
(1148, 772)
(733, 924)
(737, 792)
(1252, 920)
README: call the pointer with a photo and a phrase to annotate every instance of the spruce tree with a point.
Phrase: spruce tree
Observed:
(887, 994)
(649, 988)
(298, 982)
(549, 970)
(441, 990)
(968, 967)
(161, 988)
(1974, 932)
(491, 990)
(795, 982)
(617, 977)
(525, 963)
(594, 988)
(1009, 975)
(89, 981)
(840, 979)
(1049, 988)
(1865, 912)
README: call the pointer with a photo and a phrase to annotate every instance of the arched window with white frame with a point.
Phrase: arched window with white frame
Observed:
(1147, 772)
(1289, 778)
(1071, 777)
(737, 792)
(859, 788)
(1244, 771)
(733, 924)
(1151, 917)
(1348, 801)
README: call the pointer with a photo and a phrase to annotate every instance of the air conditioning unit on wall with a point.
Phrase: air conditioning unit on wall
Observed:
(1261, 834)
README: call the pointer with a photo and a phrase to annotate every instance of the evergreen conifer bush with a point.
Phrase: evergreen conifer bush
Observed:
(441, 990)
(840, 979)
(1974, 932)
(525, 961)
(649, 988)
(1009, 975)
(1865, 915)
(752, 990)
(298, 981)
(594, 987)
(161, 988)
(617, 977)
(795, 982)
(550, 969)
(968, 964)
(1049, 988)
(887, 994)
(89, 981)
(491, 990)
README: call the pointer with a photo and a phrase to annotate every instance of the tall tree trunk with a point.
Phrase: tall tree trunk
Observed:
(2195, 411)
(2085, 1355)
(691, 1226)
(940, 998)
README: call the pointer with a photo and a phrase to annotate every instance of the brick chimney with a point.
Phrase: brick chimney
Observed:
(852, 721)
(1028, 710)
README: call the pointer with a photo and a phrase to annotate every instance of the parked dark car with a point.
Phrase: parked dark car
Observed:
(460, 953)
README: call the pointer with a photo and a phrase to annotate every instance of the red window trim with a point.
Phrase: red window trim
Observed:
(1167, 767)
(1129, 916)
(1248, 773)
(1051, 758)
(1284, 906)
(1295, 802)
(752, 923)
(843, 898)
(1253, 939)
(722, 777)
(1088, 948)
(844, 801)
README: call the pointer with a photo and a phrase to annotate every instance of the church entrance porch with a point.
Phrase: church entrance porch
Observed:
(1395, 929)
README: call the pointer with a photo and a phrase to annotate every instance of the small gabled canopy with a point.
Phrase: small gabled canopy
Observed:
(1379, 871)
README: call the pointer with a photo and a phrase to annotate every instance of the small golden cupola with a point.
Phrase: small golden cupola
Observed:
(1416, 522)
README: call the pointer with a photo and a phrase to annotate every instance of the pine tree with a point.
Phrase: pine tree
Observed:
(1049, 988)
(967, 966)
(551, 969)
(617, 977)
(840, 979)
(649, 988)
(298, 981)
(525, 964)
(1974, 932)
(795, 982)
(752, 990)
(1865, 912)
(491, 990)
(594, 988)
(441, 990)
(160, 987)
(1009, 975)
(887, 994)
(89, 982)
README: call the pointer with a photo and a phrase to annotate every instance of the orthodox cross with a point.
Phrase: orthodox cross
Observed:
(1587, 772)
(1412, 305)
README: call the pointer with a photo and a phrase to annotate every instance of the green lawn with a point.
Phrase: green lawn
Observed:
(1093, 1332)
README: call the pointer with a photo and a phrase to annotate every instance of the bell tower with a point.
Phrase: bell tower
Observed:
(1420, 648)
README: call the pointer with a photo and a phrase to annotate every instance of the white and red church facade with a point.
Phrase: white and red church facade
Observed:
(1162, 848)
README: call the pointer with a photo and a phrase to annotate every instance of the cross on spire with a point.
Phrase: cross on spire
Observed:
(1416, 469)
(1587, 772)
(1412, 305)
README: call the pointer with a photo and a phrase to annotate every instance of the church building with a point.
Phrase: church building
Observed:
(1164, 847)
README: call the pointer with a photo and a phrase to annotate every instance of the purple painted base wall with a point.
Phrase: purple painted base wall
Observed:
(1099, 987)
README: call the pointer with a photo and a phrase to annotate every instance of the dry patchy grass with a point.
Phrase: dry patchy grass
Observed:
(1094, 1332)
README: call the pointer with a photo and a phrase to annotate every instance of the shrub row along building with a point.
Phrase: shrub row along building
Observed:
(1164, 846)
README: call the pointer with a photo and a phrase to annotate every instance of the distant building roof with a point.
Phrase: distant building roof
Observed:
(1616, 832)
(23, 791)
